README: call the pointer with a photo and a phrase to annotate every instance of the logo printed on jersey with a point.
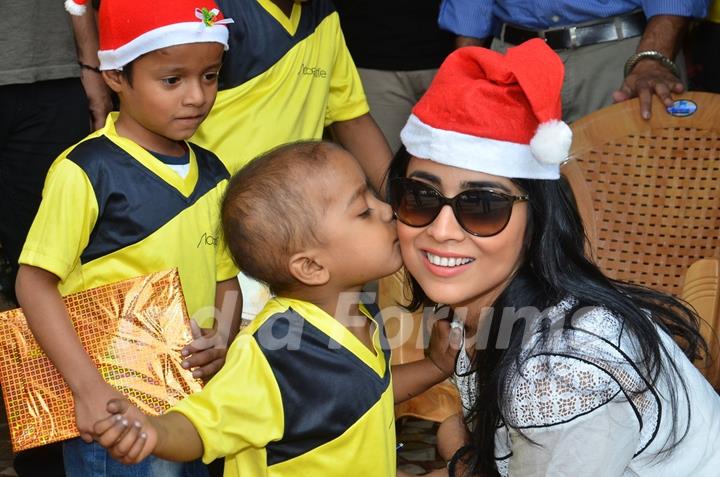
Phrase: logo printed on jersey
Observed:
(314, 71)
(207, 239)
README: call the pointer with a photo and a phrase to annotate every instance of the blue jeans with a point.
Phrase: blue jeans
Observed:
(92, 460)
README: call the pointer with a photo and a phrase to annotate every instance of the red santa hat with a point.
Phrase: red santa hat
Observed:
(494, 113)
(129, 29)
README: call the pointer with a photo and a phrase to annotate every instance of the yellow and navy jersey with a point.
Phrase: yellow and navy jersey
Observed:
(299, 395)
(283, 80)
(112, 211)
(714, 12)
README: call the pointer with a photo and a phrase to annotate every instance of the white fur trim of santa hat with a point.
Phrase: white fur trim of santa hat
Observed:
(163, 37)
(496, 113)
(492, 156)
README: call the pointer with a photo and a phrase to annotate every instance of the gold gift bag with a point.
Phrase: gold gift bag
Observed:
(133, 330)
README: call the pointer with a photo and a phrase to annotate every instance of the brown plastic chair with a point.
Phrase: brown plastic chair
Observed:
(649, 194)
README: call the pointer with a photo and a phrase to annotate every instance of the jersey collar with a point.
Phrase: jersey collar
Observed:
(289, 24)
(184, 186)
(331, 327)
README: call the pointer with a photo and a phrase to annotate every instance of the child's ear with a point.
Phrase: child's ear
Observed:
(114, 79)
(305, 268)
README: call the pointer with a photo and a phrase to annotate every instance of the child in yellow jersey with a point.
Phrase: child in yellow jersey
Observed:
(307, 388)
(135, 198)
(286, 77)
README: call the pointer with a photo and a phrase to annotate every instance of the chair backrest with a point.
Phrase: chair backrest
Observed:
(652, 187)
(649, 195)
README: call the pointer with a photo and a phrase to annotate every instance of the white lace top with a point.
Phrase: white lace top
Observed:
(581, 399)
(465, 380)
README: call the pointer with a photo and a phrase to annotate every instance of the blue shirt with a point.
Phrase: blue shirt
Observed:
(476, 18)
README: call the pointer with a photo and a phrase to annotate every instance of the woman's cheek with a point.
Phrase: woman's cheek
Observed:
(406, 236)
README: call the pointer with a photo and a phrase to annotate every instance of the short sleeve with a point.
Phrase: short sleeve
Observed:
(573, 371)
(467, 17)
(553, 389)
(61, 229)
(576, 415)
(601, 442)
(226, 268)
(346, 97)
(240, 407)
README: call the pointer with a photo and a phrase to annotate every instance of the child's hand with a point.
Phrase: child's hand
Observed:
(90, 407)
(205, 355)
(445, 341)
(127, 434)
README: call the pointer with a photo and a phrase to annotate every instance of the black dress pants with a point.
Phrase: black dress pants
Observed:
(37, 122)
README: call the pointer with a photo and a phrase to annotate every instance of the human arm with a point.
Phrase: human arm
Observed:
(52, 250)
(206, 353)
(411, 379)
(131, 439)
(462, 41)
(664, 33)
(432, 473)
(363, 138)
(216, 422)
(228, 302)
(649, 77)
(347, 116)
(470, 20)
(49, 322)
(452, 434)
(86, 42)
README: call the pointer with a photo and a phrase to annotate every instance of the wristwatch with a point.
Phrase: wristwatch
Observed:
(651, 55)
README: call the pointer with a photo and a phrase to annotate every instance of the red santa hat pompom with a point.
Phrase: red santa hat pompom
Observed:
(494, 113)
(130, 29)
(76, 7)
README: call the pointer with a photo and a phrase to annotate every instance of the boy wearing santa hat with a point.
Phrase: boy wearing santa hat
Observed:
(135, 198)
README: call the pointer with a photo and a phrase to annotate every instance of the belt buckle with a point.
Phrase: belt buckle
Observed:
(572, 34)
(503, 27)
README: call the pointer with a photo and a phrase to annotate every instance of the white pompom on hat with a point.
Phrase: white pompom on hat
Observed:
(130, 29)
(76, 7)
(494, 113)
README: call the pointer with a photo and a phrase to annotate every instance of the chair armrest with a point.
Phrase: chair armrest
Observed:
(701, 290)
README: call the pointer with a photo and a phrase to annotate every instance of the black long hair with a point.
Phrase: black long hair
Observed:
(555, 266)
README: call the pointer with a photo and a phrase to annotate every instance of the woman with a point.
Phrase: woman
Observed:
(564, 372)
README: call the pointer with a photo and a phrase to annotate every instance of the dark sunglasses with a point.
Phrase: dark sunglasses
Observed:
(481, 212)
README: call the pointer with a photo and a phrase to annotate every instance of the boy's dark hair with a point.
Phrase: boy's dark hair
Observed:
(127, 71)
(269, 212)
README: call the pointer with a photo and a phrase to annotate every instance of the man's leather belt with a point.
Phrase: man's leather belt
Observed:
(610, 29)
